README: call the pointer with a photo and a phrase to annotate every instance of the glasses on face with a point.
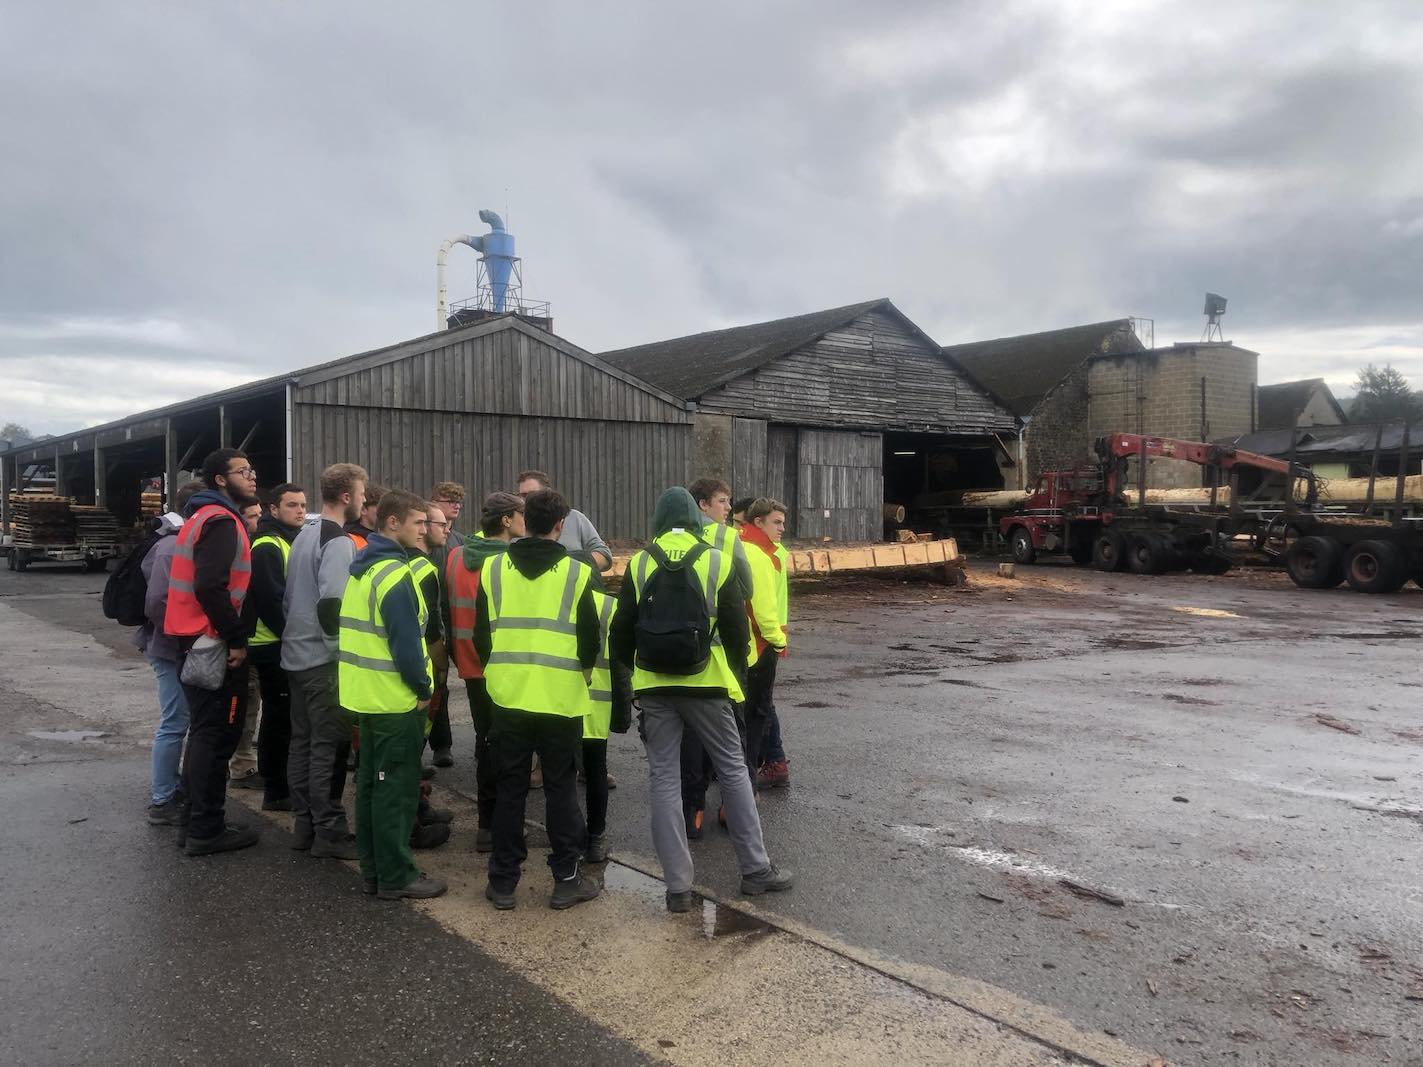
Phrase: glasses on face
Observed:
(243, 472)
(442, 525)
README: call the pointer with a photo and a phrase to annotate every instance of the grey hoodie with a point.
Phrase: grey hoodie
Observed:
(156, 567)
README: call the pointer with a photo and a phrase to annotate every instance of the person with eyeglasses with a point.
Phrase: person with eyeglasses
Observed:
(207, 604)
(449, 498)
(428, 565)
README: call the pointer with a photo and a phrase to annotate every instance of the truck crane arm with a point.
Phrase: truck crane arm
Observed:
(1126, 445)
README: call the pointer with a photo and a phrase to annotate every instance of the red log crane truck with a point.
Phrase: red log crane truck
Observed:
(1091, 514)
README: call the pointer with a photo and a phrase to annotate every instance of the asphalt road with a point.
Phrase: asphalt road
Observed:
(1232, 764)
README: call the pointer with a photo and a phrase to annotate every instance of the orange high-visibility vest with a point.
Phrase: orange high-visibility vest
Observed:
(462, 589)
(185, 616)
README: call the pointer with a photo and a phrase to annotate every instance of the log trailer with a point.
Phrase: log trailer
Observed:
(1373, 553)
(1092, 515)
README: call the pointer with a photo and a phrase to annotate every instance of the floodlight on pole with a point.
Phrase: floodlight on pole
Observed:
(1215, 308)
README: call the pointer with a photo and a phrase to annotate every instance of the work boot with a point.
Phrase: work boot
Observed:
(166, 814)
(184, 810)
(340, 848)
(303, 839)
(369, 886)
(230, 840)
(570, 891)
(250, 780)
(428, 813)
(444, 758)
(483, 840)
(597, 850)
(679, 902)
(695, 818)
(502, 899)
(774, 775)
(423, 888)
(770, 880)
(277, 804)
(430, 835)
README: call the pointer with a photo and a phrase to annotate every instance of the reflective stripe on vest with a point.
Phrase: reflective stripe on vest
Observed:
(462, 593)
(367, 677)
(263, 635)
(533, 656)
(597, 724)
(185, 616)
(712, 575)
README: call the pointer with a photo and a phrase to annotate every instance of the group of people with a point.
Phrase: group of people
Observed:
(346, 624)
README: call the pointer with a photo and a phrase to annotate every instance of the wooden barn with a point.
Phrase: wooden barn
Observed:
(834, 412)
(475, 404)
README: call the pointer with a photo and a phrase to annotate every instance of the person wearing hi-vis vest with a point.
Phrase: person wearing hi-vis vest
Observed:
(765, 526)
(713, 497)
(536, 632)
(681, 627)
(285, 512)
(386, 680)
(610, 694)
(501, 520)
(208, 605)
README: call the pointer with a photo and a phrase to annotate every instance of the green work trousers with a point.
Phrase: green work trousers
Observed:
(387, 794)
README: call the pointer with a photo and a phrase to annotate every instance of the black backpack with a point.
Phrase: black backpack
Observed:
(673, 631)
(125, 590)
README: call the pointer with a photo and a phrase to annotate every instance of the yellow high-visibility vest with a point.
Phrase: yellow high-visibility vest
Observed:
(713, 570)
(597, 724)
(263, 635)
(764, 605)
(533, 623)
(368, 679)
(783, 584)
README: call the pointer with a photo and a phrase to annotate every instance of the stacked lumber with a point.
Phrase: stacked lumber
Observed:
(41, 520)
(150, 505)
(993, 498)
(1356, 490)
(94, 524)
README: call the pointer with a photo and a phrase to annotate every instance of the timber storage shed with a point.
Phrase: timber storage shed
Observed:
(475, 404)
(833, 413)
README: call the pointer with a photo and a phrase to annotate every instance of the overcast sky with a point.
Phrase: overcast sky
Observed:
(197, 194)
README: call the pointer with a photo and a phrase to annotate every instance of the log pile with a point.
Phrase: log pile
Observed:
(41, 520)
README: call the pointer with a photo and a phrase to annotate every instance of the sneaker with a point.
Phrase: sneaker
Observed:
(484, 840)
(612, 783)
(443, 758)
(342, 848)
(503, 900)
(773, 775)
(695, 818)
(679, 902)
(771, 880)
(423, 888)
(230, 840)
(277, 804)
(166, 814)
(431, 835)
(597, 850)
(250, 780)
(368, 886)
(570, 891)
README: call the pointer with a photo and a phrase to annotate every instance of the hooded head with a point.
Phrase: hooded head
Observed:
(676, 509)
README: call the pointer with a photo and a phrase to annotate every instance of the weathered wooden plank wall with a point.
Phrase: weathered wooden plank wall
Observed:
(839, 485)
(874, 373)
(748, 458)
(612, 471)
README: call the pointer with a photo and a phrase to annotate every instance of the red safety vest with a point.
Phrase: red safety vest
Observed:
(462, 585)
(185, 616)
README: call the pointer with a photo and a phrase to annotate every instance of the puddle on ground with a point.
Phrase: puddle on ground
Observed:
(68, 735)
(718, 920)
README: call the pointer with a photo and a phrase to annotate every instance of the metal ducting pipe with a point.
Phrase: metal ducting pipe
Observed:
(441, 290)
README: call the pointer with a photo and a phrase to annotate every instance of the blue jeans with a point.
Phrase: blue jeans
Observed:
(773, 750)
(172, 729)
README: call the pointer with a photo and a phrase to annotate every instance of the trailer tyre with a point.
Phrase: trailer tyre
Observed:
(1375, 567)
(1208, 562)
(1147, 553)
(1315, 563)
(20, 560)
(1109, 551)
(1022, 544)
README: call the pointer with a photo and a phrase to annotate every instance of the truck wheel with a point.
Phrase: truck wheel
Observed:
(1146, 554)
(1109, 551)
(1375, 567)
(1022, 542)
(21, 561)
(1206, 562)
(10, 559)
(1315, 563)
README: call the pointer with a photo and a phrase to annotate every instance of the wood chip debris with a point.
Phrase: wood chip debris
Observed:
(1337, 724)
(1087, 892)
